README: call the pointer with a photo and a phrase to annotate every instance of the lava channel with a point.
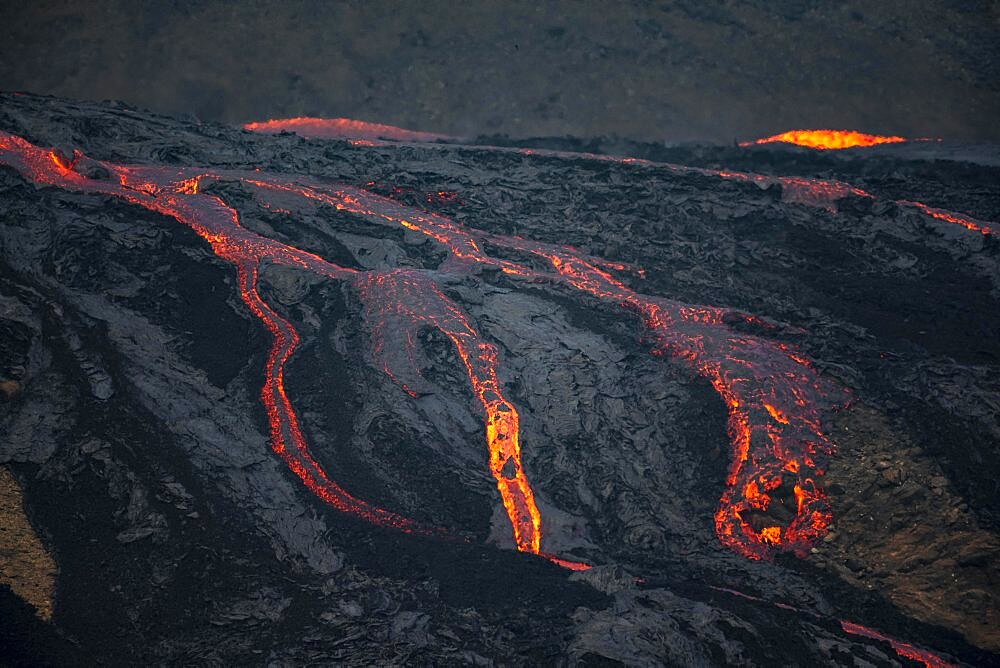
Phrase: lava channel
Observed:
(820, 193)
(774, 397)
(904, 649)
(159, 190)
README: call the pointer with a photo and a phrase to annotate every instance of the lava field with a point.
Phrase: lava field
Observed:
(321, 391)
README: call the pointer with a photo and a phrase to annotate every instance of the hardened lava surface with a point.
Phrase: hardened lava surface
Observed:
(388, 397)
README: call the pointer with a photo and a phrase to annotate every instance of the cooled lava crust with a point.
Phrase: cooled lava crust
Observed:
(272, 398)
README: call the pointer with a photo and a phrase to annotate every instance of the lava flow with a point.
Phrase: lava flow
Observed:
(904, 649)
(827, 139)
(821, 193)
(774, 397)
(950, 217)
(340, 128)
(401, 302)
(156, 190)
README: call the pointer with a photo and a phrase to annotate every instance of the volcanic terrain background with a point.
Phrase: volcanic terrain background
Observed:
(320, 390)
(136, 315)
(669, 70)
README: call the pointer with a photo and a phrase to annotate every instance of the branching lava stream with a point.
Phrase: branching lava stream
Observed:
(774, 398)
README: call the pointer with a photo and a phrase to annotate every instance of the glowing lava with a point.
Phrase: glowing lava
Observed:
(773, 396)
(903, 649)
(820, 193)
(827, 139)
(401, 302)
(160, 190)
(340, 128)
(951, 217)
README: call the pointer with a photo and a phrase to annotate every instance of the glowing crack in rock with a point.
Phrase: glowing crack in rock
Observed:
(827, 139)
(772, 394)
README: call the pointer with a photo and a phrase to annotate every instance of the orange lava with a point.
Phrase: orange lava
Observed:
(951, 217)
(906, 650)
(341, 128)
(903, 649)
(566, 563)
(821, 193)
(827, 139)
(158, 190)
(401, 302)
(286, 437)
(771, 392)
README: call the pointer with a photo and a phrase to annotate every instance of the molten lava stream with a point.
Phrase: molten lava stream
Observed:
(164, 191)
(286, 437)
(175, 192)
(341, 128)
(950, 217)
(400, 302)
(903, 649)
(772, 394)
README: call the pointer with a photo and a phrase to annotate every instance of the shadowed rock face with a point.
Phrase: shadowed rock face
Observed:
(652, 71)
(469, 351)
(25, 567)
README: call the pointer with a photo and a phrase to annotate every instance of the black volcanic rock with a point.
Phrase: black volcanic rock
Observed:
(138, 433)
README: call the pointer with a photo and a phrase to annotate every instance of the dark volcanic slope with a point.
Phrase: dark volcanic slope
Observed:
(677, 69)
(428, 287)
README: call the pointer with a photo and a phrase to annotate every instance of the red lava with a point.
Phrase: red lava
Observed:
(340, 128)
(903, 649)
(773, 395)
(906, 650)
(821, 193)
